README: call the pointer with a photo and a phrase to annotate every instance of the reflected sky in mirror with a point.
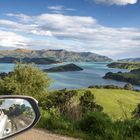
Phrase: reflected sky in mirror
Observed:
(8, 102)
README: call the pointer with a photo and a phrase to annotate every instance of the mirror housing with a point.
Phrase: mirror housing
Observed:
(17, 115)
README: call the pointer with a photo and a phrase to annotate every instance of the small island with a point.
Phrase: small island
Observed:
(64, 68)
(132, 77)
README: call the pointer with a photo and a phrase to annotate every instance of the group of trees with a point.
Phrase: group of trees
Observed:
(127, 86)
(64, 101)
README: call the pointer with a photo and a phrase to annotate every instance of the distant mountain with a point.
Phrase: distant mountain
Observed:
(130, 60)
(57, 55)
(28, 60)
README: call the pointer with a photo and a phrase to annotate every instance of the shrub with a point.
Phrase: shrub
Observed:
(105, 87)
(95, 123)
(43, 122)
(87, 103)
(127, 129)
(136, 112)
(60, 99)
(128, 87)
(52, 120)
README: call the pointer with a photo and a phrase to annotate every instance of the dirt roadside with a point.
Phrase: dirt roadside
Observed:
(38, 134)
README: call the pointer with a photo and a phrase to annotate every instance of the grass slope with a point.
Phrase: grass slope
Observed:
(117, 103)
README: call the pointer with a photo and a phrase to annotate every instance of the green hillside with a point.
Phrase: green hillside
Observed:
(125, 65)
(116, 102)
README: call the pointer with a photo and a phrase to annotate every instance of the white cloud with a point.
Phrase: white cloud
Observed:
(11, 39)
(26, 28)
(60, 9)
(75, 33)
(23, 18)
(117, 2)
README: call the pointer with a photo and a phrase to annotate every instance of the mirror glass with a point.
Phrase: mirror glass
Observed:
(15, 115)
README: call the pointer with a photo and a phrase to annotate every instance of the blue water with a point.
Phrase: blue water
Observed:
(91, 75)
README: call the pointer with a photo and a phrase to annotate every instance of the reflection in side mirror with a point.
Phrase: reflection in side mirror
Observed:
(17, 114)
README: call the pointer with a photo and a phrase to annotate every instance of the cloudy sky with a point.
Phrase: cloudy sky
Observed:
(106, 27)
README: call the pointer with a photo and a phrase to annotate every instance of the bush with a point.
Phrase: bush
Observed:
(52, 120)
(128, 87)
(136, 112)
(43, 122)
(127, 129)
(60, 99)
(105, 87)
(60, 123)
(87, 103)
(95, 123)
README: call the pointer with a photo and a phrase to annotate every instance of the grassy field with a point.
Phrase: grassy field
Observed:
(117, 103)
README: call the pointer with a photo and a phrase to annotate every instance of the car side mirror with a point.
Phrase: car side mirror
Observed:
(17, 114)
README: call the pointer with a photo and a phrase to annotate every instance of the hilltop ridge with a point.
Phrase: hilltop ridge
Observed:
(59, 55)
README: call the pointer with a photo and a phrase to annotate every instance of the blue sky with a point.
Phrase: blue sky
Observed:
(106, 27)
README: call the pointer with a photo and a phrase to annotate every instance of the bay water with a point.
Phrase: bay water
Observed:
(91, 75)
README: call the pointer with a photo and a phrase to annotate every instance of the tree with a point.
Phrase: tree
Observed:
(87, 103)
(136, 112)
(128, 87)
(59, 99)
(26, 79)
